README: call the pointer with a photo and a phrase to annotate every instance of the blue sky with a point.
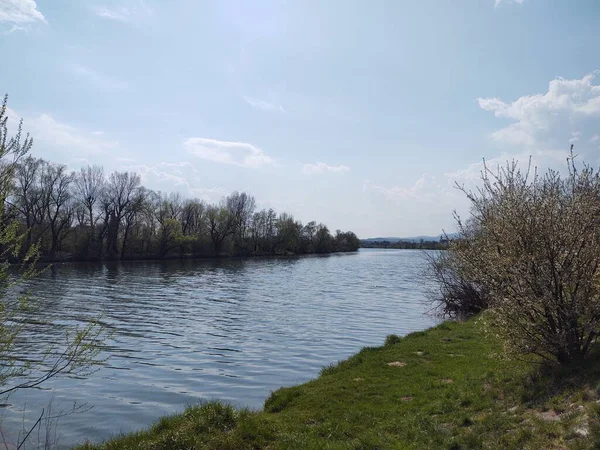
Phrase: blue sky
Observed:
(359, 114)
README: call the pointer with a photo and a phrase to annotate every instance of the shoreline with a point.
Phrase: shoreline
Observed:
(444, 387)
(57, 262)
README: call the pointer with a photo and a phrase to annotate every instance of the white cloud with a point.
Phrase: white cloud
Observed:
(20, 12)
(427, 204)
(225, 152)
(470, 177)
(543, 126)
(131, 12)
(99, 80)
(263, 105)
(174, 173)
(497, 2)
(548, 120)
(123, 159)
(177, 176)
(321, 167)
(540, 160)
(395, 192)
(427, 187)
(595, 138)
(76, 163)
(575, 137)
(209, 194)
(14, 29)
(48, 129)
(49, 132)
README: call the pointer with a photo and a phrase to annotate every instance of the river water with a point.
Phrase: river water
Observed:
(235, 330)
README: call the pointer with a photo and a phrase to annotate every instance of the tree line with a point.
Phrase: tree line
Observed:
(88, 215)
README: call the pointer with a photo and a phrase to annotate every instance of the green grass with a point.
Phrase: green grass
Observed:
(446, 389)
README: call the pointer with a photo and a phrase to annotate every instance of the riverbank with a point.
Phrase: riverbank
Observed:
(440, 388)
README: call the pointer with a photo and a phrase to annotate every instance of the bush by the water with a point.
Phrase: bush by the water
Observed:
(530, 250)
(392, 339)
(456, 296)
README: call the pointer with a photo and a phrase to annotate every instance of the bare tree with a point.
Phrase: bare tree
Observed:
(309, 231)
(220, 226)
(120, 191)
(323, 239)
(56, 183)
(28, 194)
(174, 206)
(89, 185)
(288, 233)
(240, 207)
(193, 218)
(135, 207)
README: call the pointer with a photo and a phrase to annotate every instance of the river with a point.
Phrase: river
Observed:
(235, 330)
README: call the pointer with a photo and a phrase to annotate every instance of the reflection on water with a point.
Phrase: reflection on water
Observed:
(231, 329)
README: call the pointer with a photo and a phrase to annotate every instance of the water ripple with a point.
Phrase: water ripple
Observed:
(234, 330)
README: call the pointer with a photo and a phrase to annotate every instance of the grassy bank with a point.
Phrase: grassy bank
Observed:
(440, 388)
